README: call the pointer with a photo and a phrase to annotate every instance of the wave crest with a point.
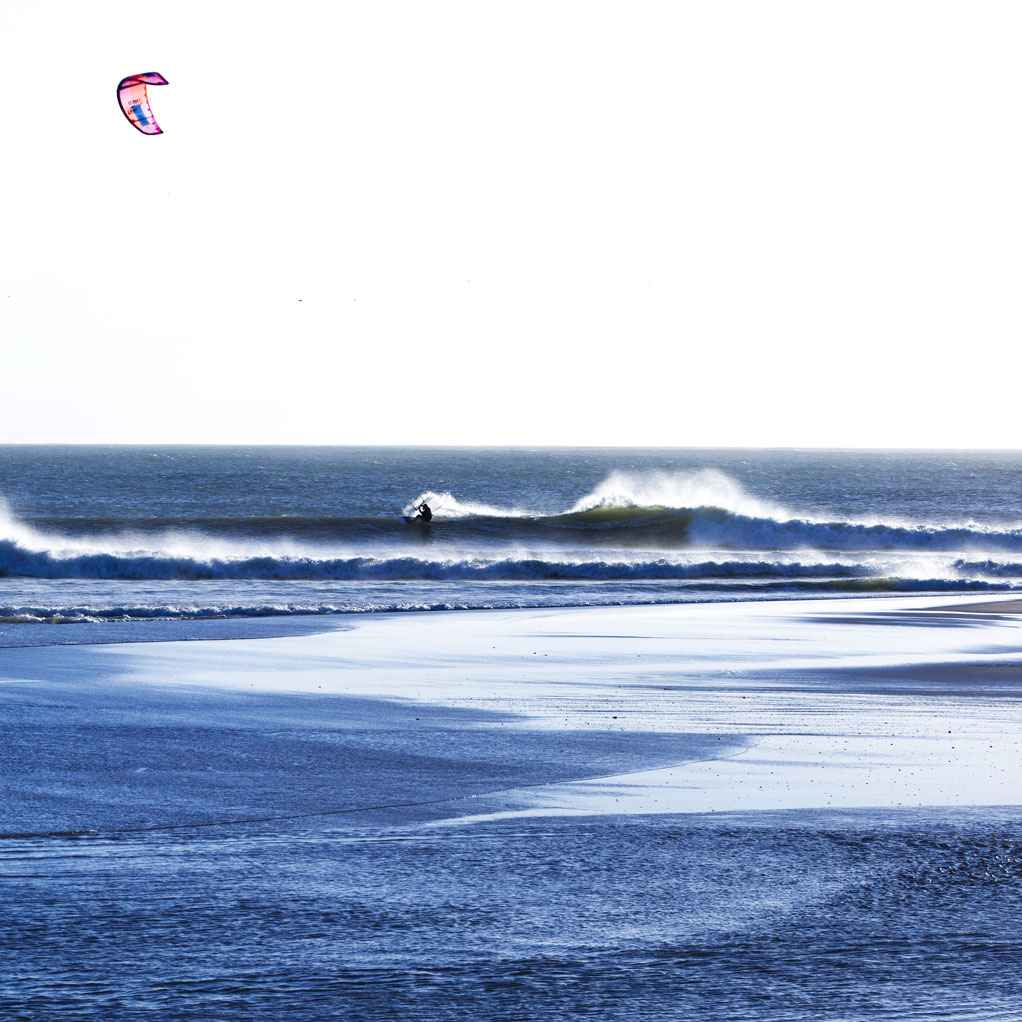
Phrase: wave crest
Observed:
(701, 488)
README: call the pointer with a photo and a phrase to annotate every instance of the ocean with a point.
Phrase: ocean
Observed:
(133, 534)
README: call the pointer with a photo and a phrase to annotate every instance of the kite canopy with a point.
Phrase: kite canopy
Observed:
(133, 95)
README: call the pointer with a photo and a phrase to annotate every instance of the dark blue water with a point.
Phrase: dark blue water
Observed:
(106, 533)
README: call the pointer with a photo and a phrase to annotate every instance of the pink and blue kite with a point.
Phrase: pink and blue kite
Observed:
(133, 95)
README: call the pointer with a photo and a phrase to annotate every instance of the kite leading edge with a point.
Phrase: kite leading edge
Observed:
(133, 96)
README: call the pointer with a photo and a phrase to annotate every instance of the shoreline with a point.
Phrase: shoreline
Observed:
(20, 634)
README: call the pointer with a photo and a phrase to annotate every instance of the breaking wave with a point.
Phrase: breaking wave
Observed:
(692, 526)
(18, 562)
(651, 528)
(710, 510)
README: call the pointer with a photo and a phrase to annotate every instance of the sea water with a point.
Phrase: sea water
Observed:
(775, 918)
(122, 534)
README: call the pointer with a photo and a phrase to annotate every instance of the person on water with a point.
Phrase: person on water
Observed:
(424, 515)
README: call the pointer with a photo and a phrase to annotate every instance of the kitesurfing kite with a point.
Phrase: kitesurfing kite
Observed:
(133, 95)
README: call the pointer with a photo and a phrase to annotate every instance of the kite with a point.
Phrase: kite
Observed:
(133, 95)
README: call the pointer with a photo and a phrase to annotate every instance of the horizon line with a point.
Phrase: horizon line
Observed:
(501, 447)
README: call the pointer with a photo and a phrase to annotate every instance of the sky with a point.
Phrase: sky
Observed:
(565, 223)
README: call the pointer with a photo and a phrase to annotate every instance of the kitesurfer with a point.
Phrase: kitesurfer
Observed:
(424, 515)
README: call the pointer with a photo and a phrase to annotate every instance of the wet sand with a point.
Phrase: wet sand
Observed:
(682, 709)
(995, 606)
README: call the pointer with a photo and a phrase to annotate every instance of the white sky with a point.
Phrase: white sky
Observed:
(764, 223)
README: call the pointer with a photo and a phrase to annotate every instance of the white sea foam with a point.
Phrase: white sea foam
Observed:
(446, 505)
(680, 490)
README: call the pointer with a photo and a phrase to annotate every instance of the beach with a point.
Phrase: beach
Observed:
(453, 814)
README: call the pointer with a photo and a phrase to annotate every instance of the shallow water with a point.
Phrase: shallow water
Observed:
(900, 915)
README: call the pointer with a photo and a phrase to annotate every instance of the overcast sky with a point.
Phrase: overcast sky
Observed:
(550, 222)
